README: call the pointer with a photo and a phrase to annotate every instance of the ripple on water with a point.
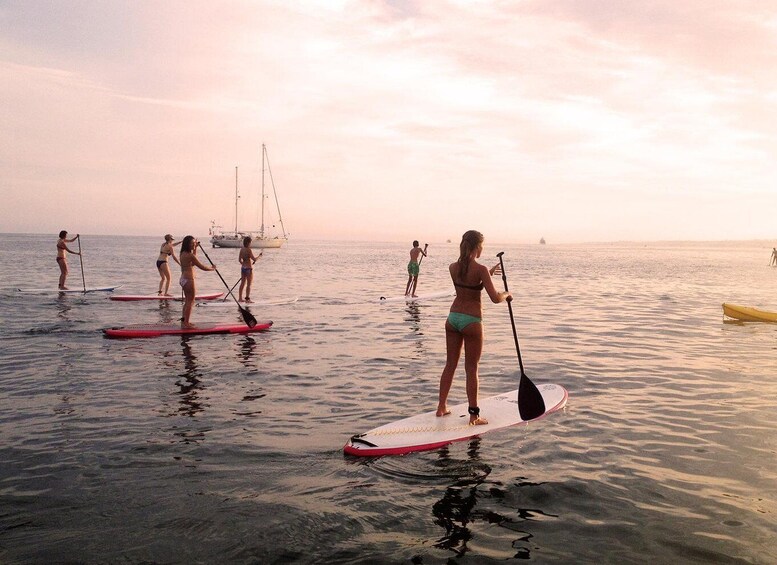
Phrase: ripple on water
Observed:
(230, 447)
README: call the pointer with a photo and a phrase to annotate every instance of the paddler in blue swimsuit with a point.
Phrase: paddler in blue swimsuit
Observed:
(247, 260)
(464, 325)
(413, 268)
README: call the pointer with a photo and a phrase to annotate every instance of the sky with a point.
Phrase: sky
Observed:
(572, 120)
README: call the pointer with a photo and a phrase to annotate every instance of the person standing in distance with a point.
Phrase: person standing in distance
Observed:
(247, 260)
(413, 268)
(62, 251)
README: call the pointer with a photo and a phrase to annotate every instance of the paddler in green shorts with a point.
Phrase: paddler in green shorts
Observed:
(413, 268)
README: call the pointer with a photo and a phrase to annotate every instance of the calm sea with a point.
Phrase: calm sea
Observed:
(229, 448)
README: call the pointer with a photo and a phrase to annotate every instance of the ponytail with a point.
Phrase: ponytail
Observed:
(469, 242)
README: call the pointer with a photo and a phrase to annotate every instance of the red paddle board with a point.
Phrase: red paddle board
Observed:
(151, 330)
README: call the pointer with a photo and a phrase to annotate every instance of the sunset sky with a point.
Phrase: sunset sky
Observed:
(573, 120)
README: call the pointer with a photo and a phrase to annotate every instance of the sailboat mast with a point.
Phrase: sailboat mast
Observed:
(236, 197)
(261, 230)
(275, 193)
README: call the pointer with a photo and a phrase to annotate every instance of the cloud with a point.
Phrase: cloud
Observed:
(386, 112)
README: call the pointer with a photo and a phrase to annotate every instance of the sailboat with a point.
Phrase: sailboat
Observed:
(260, 238)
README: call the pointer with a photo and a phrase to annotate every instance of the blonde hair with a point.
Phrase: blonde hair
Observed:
(469, 242)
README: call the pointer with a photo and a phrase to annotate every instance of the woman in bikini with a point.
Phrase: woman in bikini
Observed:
(62, 251)
(165, 252)
(247, 260)
(188, 260)
(464, 325)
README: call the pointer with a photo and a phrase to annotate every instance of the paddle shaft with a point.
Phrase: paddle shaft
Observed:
(510, 309)
(229, 290)
(248, 318)
(81, 259)
(531, 405)
(423, 254)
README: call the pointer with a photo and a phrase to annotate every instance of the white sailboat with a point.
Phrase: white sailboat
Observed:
(260, 238)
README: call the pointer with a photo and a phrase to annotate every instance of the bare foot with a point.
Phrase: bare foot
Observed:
(187, 326)
(248, 299)
(443, 412)
(63, 288)
(477, 421)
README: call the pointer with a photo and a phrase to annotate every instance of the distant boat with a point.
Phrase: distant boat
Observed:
(542, 241)
(260, 239)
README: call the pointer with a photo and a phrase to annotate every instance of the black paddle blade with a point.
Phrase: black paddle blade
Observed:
(250, 321)
(530, 402)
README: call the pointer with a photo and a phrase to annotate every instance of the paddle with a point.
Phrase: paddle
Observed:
(81, 258)
(530, 402)
(234, 285)
(248, 318)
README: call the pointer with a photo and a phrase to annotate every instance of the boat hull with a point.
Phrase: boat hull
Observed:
(747, 314)
(236, 241)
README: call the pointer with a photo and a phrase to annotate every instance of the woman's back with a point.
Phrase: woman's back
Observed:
(468, 287)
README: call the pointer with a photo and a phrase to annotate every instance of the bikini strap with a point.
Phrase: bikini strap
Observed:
(470, 287)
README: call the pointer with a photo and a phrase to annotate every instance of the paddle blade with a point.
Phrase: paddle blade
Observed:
(248, 318)
(530, 402)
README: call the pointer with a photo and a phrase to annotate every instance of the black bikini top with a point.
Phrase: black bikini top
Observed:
(470, 287)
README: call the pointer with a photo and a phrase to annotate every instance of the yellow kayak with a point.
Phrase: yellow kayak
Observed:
(747, 314)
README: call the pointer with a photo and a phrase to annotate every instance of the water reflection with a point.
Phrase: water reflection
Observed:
(458, 509)
(64, 306)
(169, 311)
(414, 317)
(190, 383)
(454, 511)
(247, 351)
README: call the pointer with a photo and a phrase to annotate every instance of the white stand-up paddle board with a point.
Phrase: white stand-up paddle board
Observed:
(68, 291)
(419, 298)
(135, 297)
(428, 431)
